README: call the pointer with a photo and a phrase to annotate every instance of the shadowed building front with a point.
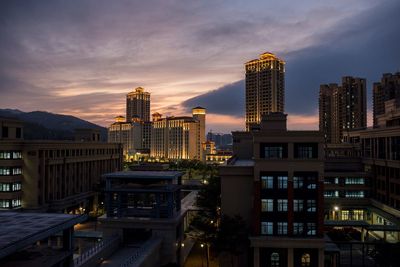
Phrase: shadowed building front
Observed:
(278, 175)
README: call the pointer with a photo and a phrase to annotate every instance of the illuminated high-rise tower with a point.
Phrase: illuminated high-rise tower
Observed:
(138, 105)
(265, 87)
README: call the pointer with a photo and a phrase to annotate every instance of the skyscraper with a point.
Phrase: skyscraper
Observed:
(265, 87)
(138, 105)
(342, 108)
(387, 89)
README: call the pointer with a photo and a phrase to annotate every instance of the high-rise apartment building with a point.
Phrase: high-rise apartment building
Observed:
(178, 137)
(138, 105)
(265, 87)
(342, 108)
(387, 89)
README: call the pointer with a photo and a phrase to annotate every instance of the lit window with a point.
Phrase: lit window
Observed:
(267, 228)
(16, 186)
(17, 155)
(305, 260)
(274, 259)
(267, 205)
(311, 205)
(298, 205)
(354, 181)
(16, 203)
(298, 182)
(282, 204)
(4, 187)
(5, 171)
(267, 182)
(16, 171)
(4, 203)
(356, 194)
(5, 155)
(282, 228)
(298, 228)
(282, 182)
(311, 229)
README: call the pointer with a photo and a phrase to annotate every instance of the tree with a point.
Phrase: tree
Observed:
(232, 237)
(209, 198)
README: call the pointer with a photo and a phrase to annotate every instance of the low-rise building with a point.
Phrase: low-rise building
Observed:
(52, 175)
(175, 138)
(144, 206)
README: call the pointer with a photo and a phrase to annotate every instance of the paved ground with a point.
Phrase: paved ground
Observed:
(198, 258)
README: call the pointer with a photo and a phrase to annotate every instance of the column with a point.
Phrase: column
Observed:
(68, 239)
(321, 257)
(256, 255)
(290, 260)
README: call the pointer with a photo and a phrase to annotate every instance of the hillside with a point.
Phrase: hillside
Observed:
(50, 126)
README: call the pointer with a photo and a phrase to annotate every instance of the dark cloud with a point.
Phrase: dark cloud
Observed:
(227, 100)
(364, 46)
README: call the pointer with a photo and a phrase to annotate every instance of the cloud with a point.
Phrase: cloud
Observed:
(51, 52)
(226, 100)
(364, 46)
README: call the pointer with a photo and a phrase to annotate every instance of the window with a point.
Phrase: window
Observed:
(267, 205)
(358, 215)
(273, 150)
(4, 203)
(16, 171)
(267, 228)
(17, 155)
(298, 205)
(306, 150)
(311, 205)
(298, 182)
(16, 203)
(4, 187)
(354, 181)
(4, 132)
(18, 132)
(345, 215)
(305, 260)
(274, 259)
(282, 204)
(298, 228)
(312, 186)
(4, 171)
(331, 193)
(282, 228)
(359, 194)
(311, 229)
(282, 182)
(16, 186)
(267, 182)
(5, 155)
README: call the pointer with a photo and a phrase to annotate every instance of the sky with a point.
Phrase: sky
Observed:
(82, 57)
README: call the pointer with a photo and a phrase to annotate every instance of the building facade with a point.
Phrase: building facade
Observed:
(52, 175)
(279, 176)
(134, 137)
(138, 105)
(178, 137)
(342, 108)
(144, 206)
(387, 89)
(265, 87)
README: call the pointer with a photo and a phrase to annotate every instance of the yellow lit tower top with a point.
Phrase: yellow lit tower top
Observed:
(265, 87)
